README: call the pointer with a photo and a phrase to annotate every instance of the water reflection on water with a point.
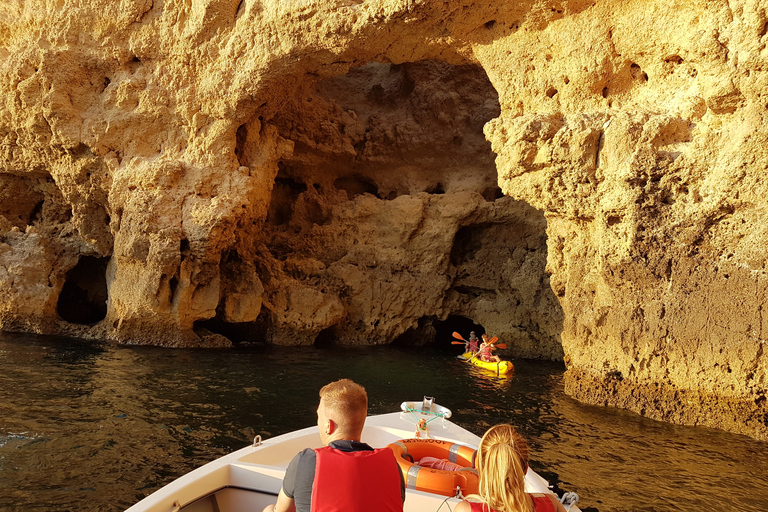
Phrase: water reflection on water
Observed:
(96, 427)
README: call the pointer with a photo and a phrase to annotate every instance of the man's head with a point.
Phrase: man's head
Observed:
(342, 411)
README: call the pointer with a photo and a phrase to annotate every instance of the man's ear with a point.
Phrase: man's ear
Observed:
(331, 427)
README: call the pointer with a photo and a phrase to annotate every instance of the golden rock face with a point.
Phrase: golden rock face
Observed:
(582, 179)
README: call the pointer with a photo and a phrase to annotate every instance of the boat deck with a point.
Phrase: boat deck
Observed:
(249, 479)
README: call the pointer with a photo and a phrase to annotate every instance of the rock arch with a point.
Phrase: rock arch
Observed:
(645, 155)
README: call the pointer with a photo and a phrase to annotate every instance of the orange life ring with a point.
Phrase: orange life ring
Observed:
(431, 480)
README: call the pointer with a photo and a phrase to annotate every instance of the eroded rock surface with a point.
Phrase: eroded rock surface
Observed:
(582, 179)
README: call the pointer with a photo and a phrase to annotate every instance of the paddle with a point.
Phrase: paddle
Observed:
(497, 345)
(493, 341)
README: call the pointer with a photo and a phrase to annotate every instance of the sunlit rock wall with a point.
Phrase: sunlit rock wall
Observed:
(580, 178)
(638, 128)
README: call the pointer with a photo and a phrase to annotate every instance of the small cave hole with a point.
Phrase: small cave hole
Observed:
(83, 298)
(674, 59)
(436, 189)
(376, 93)
(184, 249)
(551, 92)
(240, 138)
(243, 333)
(605, 92)
(173, 284)
(356, 185)
(465, 244)
(295, 187)
(490, 24)
(134, 64)
(36, 214)
(491, 194)
(326, 337)
(285, 193)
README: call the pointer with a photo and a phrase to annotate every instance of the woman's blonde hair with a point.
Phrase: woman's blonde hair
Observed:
(502, 460)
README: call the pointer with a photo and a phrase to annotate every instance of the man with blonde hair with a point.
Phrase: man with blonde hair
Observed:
(346, 474)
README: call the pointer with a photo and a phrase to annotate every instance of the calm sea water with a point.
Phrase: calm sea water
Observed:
(87, 426)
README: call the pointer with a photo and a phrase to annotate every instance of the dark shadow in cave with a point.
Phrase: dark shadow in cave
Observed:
(284, 195)
(355, 186)
(237, 333)
(83, 298)
(422, 334)
(326, 337)
(454, 323)
(438, 332)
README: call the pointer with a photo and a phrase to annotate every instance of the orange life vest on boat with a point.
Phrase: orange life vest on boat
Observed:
(360, 481)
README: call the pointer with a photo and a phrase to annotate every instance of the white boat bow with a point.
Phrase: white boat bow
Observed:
(249, 479)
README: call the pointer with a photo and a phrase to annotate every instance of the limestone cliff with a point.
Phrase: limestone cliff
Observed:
(581, 178)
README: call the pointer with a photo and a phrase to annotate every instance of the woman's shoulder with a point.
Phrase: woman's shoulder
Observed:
(468, 506)
(462, 507)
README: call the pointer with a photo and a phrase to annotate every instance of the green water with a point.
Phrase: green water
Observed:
(88, 426)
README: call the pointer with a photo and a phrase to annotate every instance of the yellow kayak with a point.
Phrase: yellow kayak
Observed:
(500, 368)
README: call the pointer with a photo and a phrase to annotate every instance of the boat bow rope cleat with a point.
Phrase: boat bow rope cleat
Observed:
(569, 499)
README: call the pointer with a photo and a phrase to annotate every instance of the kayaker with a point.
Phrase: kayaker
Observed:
(501, 463)
(472, 343)
(484, 354)
(346, 474)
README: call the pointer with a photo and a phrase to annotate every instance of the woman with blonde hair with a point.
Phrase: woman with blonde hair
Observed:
(502, 460)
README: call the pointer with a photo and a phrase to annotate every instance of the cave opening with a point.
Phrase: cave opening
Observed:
(326, 337)
(378, 154)
(455, 323)
(239, 333)
(83, 298)
(440, 333)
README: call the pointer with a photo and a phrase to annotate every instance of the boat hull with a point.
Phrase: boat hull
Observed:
(499, 368)
(250, 478)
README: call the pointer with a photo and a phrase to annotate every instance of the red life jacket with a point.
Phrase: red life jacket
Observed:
(361, 481)
(540, 504)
